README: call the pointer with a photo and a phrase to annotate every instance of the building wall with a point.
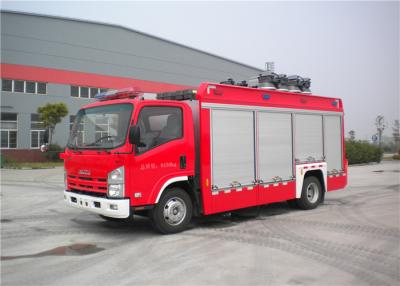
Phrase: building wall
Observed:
(65, 52)
(107, 49)
(26, 104)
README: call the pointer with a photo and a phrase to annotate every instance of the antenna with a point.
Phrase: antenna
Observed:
(270, 66)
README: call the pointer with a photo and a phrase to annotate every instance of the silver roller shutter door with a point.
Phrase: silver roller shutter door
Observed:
(308, 137)
(275, 146)
(333, 142)
(232, 147)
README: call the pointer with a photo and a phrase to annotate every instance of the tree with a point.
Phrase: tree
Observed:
(396, 131)
(380, 126)
(51, 114)
(352, 135)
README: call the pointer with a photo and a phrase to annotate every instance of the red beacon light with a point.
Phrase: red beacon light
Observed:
(129, 92)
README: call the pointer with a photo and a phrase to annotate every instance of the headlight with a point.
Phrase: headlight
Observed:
(116, 180)
(116, 190)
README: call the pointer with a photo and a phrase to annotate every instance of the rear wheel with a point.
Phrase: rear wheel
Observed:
(311, 194)
(173, 212)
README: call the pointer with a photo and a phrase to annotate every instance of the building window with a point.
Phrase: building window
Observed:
(22, 86)
(8, 129)
(71, 121)
(74, 91)
(79, 129)
(86, 92)
(19, 86)
(30, 87)
(37, 131)
(103, 125)
(6, 84)
(41, 88)
(93, 92)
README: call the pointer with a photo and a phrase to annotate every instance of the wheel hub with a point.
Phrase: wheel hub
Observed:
(312, 193)
(174, 211)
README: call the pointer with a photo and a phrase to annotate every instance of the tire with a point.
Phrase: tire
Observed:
(114, 219)
(311, 194)
(173, 212)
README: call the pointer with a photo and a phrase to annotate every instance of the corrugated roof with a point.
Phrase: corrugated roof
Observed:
(128, 29)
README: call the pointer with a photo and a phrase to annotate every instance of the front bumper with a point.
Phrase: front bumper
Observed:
(119, 208)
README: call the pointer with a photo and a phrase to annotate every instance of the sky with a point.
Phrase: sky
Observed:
(349, 50)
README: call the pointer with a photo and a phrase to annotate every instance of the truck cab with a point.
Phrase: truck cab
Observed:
(124, 151)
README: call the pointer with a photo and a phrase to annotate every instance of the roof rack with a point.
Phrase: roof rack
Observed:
(273, 81)
(178, 95)
(230, 81)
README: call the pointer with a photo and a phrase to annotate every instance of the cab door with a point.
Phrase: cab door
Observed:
(166, 152)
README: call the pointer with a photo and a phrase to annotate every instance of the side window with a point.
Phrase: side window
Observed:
(159, 125)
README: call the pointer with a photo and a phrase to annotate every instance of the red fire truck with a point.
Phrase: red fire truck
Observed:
(220, 148)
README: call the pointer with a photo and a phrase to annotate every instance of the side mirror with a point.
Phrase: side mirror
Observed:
(134, 136)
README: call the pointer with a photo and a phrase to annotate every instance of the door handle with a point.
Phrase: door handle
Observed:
(182, 161)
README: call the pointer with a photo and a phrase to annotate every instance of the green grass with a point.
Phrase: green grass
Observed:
(32, 165)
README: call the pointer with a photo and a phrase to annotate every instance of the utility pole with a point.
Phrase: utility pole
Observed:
(380, 126)
(270, 66)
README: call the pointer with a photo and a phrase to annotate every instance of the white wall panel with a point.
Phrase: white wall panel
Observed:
(333, 142)
(308, 137)
(232, 147)
(275, 146)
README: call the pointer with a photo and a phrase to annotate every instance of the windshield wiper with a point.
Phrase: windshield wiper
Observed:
(74, 148)
(100, 139)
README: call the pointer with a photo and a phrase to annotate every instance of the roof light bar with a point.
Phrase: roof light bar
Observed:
(281, 82)
(130, 92)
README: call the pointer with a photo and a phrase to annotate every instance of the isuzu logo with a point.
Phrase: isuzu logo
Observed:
(84, 172)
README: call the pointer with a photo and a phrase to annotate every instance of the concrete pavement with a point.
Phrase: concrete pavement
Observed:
(353, 239)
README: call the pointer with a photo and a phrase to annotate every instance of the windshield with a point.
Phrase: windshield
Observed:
(101, 127)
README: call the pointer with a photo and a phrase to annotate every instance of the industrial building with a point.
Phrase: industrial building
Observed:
(48, 59)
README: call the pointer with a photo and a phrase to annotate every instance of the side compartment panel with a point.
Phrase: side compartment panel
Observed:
(275, 146)
(232, 148)
(277, 192)
(308, 137)
(333, 142)
(337, 182)
(205, 157)
(227, 200)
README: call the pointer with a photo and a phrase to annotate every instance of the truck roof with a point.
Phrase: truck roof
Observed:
(225, 94)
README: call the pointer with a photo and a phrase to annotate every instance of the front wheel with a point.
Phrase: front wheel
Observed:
(173, 212)
(311, 194)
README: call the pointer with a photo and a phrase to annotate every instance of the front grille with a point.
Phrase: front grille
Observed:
(87, 184)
